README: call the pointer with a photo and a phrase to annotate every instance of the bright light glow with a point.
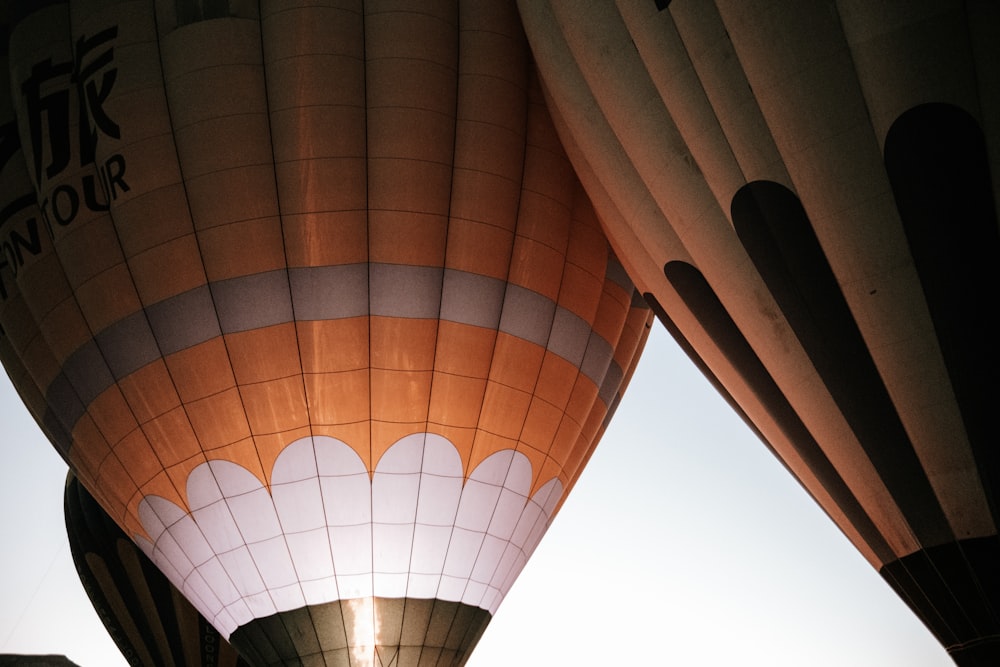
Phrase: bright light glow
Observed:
(363, 631)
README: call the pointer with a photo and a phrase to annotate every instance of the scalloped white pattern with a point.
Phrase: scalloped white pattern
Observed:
(327, 532)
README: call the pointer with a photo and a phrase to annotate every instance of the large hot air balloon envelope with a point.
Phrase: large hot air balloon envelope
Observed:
(149, 620)
(310, 299)
(808, 192)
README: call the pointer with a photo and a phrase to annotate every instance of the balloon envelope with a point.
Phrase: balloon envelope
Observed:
(808, 193)
(312, 303)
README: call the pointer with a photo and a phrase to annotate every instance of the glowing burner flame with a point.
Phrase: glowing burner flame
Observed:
(363, 632)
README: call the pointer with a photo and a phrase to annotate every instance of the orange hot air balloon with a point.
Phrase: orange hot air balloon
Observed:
(311, 301)
(808, 191)
(150, 621)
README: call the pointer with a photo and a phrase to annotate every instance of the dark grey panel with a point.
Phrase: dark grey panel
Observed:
(612, 382)
(253, 302)
(184, 320)
(88, 372)
(128, 345)
(405, 291)
(597, 359)
(472, 299)
(616, 274)
(527, 315)
(329, 292)
(569, 336)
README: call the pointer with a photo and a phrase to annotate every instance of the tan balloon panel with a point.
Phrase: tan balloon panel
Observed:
(809, 192)
(293, 247)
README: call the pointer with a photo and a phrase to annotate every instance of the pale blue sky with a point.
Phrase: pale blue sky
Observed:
(684, 543)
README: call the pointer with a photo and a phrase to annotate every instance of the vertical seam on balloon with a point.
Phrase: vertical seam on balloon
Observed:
(222, 335)
(298, 348)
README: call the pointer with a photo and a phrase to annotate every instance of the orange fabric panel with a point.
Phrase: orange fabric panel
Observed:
(328, 346)
(564, 443)
(456, 400)
(504, 411)
(580, 292)
(325, 238)
(540, 424)
(403, 344)
(201, 370)
(160, 214)
(264, 354)
(537, 266)
(611, 313)
(172, 436)
(112, 415)
(64, 329)
(582, 399)
(160, 485)
(89, 449)
(108, 297)
(242, 248)
(516, 362)
(90, 249)
(357, 435)
(383, 435)
(168, 269)
(177, 475)
(116, 484)
(537, 459)
(233, 194)
(149, 391)
(462, 438)
(407, 236)
(276, 405)
(43, 284)
(550, 469)
(464, 350)
(556, 380)
(400, 396)
(476, 247)
(219, 419)
(338, 398)
(138, 457)
(242, 452)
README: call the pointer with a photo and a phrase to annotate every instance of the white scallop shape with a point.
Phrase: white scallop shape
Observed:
(311, 554)
(423, 586)
(476, 507)
(242, 571)
(438, 499)
(352, 549)
(156, 514)
(296, 462)
(274, 562)
(405, 456)
(219, 526)
(430, 547)
(394, 497)
(320, 591)
(255, 515)
(335, 458)
(299, 505)
(392, 544)
(462, 552)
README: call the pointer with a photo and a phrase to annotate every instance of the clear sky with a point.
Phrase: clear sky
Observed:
(684, 543)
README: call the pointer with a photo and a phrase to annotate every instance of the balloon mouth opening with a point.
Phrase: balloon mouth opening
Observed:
(364, 631)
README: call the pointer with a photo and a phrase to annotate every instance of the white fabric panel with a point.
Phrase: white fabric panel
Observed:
(430, 547)
(336, 458)
(274, 562)
(451, 588)
(299, 505)
(423, 586)
(320, 590)
(354, 586)
(311, 554)
(406, 456)
(347, 499)
(438, 500)
(242, 571)
(352, 549)
(392, 544)
(288, 597)
(189, 537)
(297, 462)
(489, 557)
(219, 526)
(476, 507)
(216, 577)
(261, 605)
(462, 552)
(390, 585)
(394, 497)
(255, 515)
(507, 512)
(311, 537)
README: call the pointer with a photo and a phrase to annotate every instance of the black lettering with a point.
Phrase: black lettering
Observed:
(54, 108)
(90, 194)
(72, 201)
(32, 244)
(114, 175)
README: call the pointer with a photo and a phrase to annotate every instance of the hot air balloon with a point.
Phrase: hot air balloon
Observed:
(310, 300)
(807, 193)
(150, 621)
